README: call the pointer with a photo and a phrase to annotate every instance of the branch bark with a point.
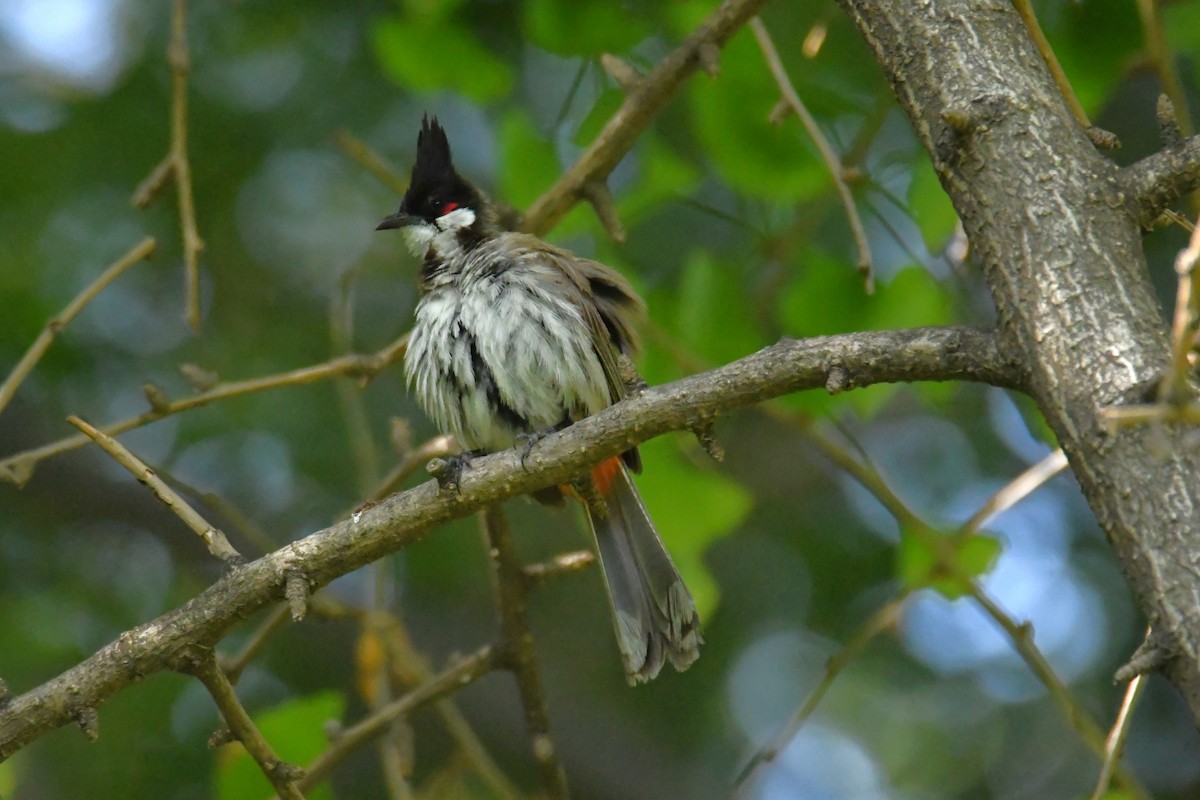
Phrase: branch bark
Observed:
(839, 362)
(1066, 270)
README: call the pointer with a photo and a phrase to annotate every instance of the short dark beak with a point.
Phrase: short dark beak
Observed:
(398, 220)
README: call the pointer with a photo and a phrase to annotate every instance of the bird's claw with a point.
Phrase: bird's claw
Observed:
(448, 471)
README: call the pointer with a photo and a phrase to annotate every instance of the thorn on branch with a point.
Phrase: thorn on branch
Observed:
(709, 56)
(779, 112)
(88, 720)
(708, 440)
(221, 737)
(200, 379)
(156, 397)
(625, 74)
(837, 380)
(1102, 139)
(153, 184)
(296, 591)
(1168, 122)
(1151, 656)
(601, 200)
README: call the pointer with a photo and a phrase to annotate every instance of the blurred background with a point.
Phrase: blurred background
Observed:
(735, 236)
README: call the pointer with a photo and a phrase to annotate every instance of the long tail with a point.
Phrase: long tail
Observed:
(653, 611)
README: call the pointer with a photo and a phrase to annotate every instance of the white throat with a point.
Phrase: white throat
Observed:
(439, 234)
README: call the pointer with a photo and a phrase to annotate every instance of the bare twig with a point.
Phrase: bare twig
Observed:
(1114, 743)
(518, 649)
(461, 673)
(235, 664)
(362, 153)
(19, 467)
(393, 523)
(562, 564)
(177, 55)
(437, 447)
(213, 539)
(884, 618)
(283, 776)
(1174, 386)
(143, 249)
(642, 102)
(1017, 490)
(1029, 17)
(832, 162)
(1164, 63)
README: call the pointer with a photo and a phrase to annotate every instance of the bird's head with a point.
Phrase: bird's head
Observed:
(438, 200)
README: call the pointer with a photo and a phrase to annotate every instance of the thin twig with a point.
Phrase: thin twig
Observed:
(143, 249)
(640, 106)
(213, 539)
(1016, 490)
(561, 564)
(410, 667)
(457, 675)
(1174, 387)
(1021, 635)
(1114, 743)
(832, 162)
(234, 665)
(177, 55)
(518, 647)
(1029, 17)
(885, 617)
(1164, 63)
(437, 447)
(283, 776)
(18, 468)
(362, 153)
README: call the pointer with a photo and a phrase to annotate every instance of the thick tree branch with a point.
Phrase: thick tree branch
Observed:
(789, 365)
(1068, 276)
(644, 99)
(1156, 181)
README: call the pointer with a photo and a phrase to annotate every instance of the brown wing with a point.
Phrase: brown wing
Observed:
(609, 306)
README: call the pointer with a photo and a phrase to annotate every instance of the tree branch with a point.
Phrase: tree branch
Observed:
(1068, 276)
(790, 365)
(643, 100)
(1156, 181)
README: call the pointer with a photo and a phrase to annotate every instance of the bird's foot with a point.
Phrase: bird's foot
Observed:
(449, 470)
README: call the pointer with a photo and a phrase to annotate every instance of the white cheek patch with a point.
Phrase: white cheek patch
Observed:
(457, 219)
(419, 236)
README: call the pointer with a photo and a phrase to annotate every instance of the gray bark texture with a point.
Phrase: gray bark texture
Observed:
(1055, 225)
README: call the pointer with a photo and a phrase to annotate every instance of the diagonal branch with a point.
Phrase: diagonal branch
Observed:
(1158, 180)
(647, 97)
(789, 365)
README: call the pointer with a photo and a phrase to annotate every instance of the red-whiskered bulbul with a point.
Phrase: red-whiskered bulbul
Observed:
(515, 338)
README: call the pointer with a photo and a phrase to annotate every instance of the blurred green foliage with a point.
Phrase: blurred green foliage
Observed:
(736, 238)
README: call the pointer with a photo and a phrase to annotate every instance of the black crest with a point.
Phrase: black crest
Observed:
(433, 153)
(435, 186)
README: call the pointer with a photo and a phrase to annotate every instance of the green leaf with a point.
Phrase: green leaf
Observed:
(930, 206)
(602, 110)
(708, 310)
(918, 565)
(691, 508)
(827, 297)
(753, 156)
(584, 27)
(296, 731)
(422, 54)
(528, 165)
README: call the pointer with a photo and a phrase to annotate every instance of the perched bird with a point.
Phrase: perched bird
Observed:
(515, 338)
